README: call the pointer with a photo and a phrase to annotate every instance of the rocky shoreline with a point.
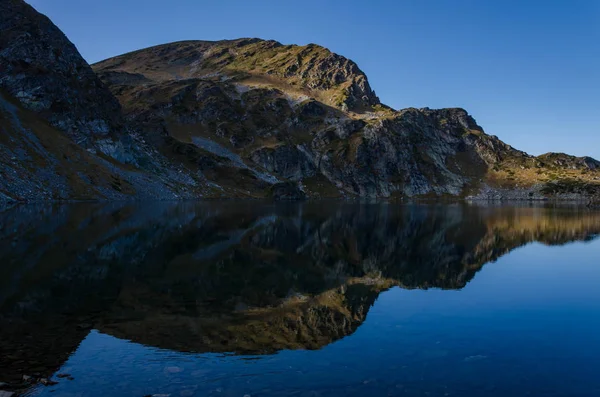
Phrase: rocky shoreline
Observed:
(533, 193)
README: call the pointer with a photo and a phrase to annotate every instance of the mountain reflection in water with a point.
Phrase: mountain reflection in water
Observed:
(248, 278)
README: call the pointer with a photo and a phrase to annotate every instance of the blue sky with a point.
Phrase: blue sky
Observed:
(528, 71)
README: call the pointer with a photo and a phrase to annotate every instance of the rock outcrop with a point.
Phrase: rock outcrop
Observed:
(46, 73)
(63, 135)
(303, 114)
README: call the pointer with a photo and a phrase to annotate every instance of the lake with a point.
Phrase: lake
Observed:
(247, 298)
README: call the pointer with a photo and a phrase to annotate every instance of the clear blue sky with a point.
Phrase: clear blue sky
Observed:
(528, 71)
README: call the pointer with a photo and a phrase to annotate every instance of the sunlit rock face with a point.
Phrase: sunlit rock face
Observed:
(300, 113)
(308, 116)
(210, 277)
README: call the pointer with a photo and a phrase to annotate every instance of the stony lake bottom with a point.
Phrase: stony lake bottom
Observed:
(299, 299)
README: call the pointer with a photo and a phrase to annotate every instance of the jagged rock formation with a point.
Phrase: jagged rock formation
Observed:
(63, 135)
(178, 276)
(237, 118)
(39, 162)
(306, 115)
(46, 73)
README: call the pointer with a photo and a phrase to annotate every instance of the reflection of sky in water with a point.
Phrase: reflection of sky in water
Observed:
(526, 325)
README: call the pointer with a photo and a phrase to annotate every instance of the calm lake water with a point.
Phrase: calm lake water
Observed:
(300, 299)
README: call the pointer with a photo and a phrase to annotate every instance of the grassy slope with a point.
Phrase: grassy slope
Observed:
(309, 70)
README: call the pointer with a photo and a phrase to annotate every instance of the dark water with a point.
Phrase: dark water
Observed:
(313, 299)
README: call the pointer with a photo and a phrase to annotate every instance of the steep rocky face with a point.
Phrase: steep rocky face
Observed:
(299, 139)
(39, 162)
(62, 132)
(276, 110)
(45, 72)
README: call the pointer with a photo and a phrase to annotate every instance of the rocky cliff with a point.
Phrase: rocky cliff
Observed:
(237, 118)
(302, 114)
(63, 135)
(45, 72)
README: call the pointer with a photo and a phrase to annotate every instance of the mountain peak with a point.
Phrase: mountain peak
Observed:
(312, 69)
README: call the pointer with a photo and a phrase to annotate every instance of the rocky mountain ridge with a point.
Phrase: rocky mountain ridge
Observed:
(311, 138)
(311, 69)
(238, 118)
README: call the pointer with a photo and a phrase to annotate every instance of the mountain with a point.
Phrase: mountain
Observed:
(306, 115)
(237, 118)
(63, 132)
(43, 70)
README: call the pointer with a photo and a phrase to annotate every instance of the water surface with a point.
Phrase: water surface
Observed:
(300, 299)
